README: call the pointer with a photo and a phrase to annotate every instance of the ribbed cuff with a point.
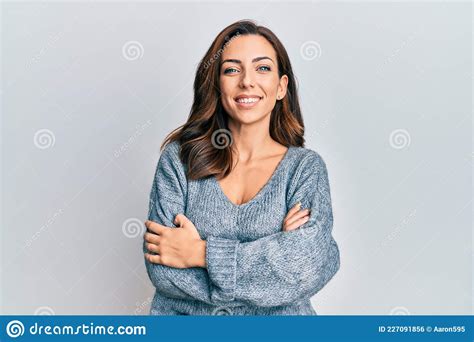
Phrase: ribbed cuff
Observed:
(221, 260)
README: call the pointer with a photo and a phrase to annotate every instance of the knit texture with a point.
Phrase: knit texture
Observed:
(253, 266)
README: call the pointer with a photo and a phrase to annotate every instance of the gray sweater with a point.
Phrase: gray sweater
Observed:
(253, 267)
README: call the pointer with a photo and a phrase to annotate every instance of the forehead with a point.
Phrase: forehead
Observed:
(246, 47)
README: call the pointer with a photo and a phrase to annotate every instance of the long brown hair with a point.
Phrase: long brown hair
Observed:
(204, 137)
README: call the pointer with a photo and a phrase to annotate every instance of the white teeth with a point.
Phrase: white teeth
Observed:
(248, 100)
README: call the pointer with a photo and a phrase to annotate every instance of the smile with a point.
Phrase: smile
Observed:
(247, 102)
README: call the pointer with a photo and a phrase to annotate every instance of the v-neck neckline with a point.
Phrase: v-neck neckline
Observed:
(262, 190)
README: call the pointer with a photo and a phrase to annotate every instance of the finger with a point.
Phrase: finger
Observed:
(180, 220)
(297, 223)
(294, 209)
(152, 238)
(155, 227)
(155, 259)
(153, 248)
(292, 212)
(297, 216)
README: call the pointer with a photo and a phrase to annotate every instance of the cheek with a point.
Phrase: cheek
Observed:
(270, 87)
(226, 99)
(226, 90)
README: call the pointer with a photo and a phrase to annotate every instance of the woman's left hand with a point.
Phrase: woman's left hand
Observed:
(180, 247)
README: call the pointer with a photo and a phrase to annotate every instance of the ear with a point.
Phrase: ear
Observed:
(282, 86)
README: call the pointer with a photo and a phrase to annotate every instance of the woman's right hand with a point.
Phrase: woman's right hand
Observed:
(295, 218)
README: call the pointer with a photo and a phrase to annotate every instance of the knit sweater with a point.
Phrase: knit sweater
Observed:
(253, 267)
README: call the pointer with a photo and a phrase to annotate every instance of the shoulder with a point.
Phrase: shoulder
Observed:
(170, 155)
(170, 159)
(170, 177)
(307, 160)
(309, 177)
(171, 150)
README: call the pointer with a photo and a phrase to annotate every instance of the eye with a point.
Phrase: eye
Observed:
(264, 66)
(228, 70)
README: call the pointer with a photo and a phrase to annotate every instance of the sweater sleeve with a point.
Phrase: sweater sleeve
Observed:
(167, 199)
(285, 267)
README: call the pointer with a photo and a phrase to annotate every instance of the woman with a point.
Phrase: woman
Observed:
(226, 179)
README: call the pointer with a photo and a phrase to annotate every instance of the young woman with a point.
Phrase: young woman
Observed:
(240, 216)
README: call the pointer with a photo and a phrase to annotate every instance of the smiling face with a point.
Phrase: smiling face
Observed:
(249, 80)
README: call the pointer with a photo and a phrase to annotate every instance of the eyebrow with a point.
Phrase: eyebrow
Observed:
(238, 61)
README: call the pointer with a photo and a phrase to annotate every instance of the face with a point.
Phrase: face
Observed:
(249, 80)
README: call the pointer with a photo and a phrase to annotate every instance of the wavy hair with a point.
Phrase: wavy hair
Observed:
(207, 123)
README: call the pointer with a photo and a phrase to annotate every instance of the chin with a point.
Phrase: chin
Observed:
(247, 116)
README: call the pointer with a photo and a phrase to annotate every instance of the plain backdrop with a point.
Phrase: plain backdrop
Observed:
(90, 89)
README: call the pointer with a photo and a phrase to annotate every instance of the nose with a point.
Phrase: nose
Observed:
(247, 80)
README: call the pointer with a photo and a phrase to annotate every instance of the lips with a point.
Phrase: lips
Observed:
(249, 97)
(247, 101)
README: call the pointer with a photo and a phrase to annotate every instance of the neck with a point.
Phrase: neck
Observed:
(251, 141)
